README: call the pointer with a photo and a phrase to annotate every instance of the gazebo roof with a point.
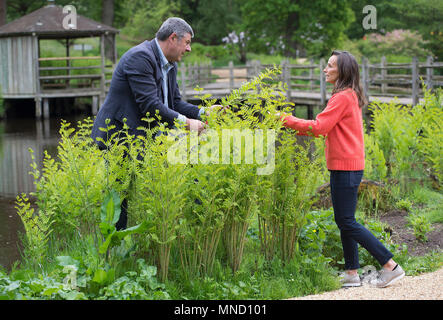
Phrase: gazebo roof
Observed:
(47, 22)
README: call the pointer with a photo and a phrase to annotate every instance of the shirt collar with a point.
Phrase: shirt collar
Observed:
(163, 61)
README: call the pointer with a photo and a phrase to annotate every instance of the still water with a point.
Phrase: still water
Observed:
(17, 136)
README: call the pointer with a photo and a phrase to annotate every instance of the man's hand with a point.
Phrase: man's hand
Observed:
(195, 125)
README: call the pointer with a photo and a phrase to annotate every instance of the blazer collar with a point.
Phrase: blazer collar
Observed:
(155, 49)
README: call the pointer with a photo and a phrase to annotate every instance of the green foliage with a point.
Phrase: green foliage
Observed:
(236, 221)
(421, 225)
(404, 204)
(396, 46)
(110, 213)
(37, 227)
(422, 16)
(431, 137)
(146, 17)
(287, 196)
(317, 27)
(410, 139)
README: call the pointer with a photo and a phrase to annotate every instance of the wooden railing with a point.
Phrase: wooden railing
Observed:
(377, 79)
(60, 77)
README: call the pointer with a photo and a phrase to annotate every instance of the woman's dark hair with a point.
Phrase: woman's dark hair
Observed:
(348, 75)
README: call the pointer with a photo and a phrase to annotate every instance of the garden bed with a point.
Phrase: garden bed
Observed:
(402, 233)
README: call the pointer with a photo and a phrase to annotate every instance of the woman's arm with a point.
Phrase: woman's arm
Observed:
(324, 121)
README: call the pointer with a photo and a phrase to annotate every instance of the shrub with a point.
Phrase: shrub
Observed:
(410, 139)
(421, 226)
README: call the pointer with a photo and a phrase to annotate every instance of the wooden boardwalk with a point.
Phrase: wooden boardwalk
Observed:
(303, 98)
(306, 82)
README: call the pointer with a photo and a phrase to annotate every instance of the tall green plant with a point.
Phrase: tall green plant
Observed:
(287, 195)
(431, 136)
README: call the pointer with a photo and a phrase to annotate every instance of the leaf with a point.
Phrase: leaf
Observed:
(110, 209)
(66, 261)
(106, 228)
(105, 245)
(50, 290)
(135, 229)
(100, 276)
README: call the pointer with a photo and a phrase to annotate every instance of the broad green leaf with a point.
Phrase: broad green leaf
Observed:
(100, 276)
(110, 209)
(105, 245)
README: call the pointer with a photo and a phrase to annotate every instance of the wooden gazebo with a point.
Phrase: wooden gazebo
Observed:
(24, 74)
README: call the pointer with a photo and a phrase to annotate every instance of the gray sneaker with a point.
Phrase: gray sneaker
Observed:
(387, 278)
(350, 281)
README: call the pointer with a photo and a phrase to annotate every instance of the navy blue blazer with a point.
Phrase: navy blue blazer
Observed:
(136, 89)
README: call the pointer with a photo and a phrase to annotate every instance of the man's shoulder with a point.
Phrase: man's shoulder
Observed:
(140, 53)
(144, 48)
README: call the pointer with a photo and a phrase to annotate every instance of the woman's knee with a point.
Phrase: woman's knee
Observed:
(346, 224)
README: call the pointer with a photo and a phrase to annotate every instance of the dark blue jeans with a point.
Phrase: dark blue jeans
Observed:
(344, 193)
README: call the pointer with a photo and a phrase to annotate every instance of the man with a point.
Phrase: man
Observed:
(145, 81)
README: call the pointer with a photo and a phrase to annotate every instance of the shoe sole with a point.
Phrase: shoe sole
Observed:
(393, 280)
(348, 285)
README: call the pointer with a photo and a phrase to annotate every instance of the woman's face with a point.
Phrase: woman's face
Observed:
(331, 70)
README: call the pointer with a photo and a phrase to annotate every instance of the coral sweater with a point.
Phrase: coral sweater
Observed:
(341, 123)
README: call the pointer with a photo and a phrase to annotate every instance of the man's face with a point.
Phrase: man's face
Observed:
(179, 47)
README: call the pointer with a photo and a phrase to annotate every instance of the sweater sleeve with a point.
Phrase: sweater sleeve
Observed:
(324, 121)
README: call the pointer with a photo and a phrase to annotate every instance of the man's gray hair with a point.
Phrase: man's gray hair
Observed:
(171, 25)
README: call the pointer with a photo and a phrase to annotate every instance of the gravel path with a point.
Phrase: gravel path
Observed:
(427, 286)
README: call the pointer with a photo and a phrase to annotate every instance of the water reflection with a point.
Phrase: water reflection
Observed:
(16, 137)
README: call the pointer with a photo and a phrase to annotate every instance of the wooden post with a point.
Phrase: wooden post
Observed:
(256, 67)
(68, 63)
(102, 79)
(429, 72)
(209, 72)
(38, 107)
(94, 105)
(46, 108)
(415, 84)
(311, 75)
(365, 77)
(383, 74)
(194, 74)
(286, 77)
(183, 80)
(38, 100)
(231, 75)
(322, 83)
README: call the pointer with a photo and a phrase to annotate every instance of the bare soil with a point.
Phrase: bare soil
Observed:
(401, 233)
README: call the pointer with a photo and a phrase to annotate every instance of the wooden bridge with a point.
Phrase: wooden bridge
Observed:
(306, 85)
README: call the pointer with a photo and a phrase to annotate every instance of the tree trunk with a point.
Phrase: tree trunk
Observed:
(108, 19)
(292, 24)
(2, 12)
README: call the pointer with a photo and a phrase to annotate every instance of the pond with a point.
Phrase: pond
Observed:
(17, 135)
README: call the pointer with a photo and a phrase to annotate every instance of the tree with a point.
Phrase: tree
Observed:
(424, 16)
(2, 12)
(108, 19)
(211, 20)
(146, 17)
(288, 27)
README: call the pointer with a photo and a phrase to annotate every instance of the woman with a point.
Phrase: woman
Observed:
(341, 123)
